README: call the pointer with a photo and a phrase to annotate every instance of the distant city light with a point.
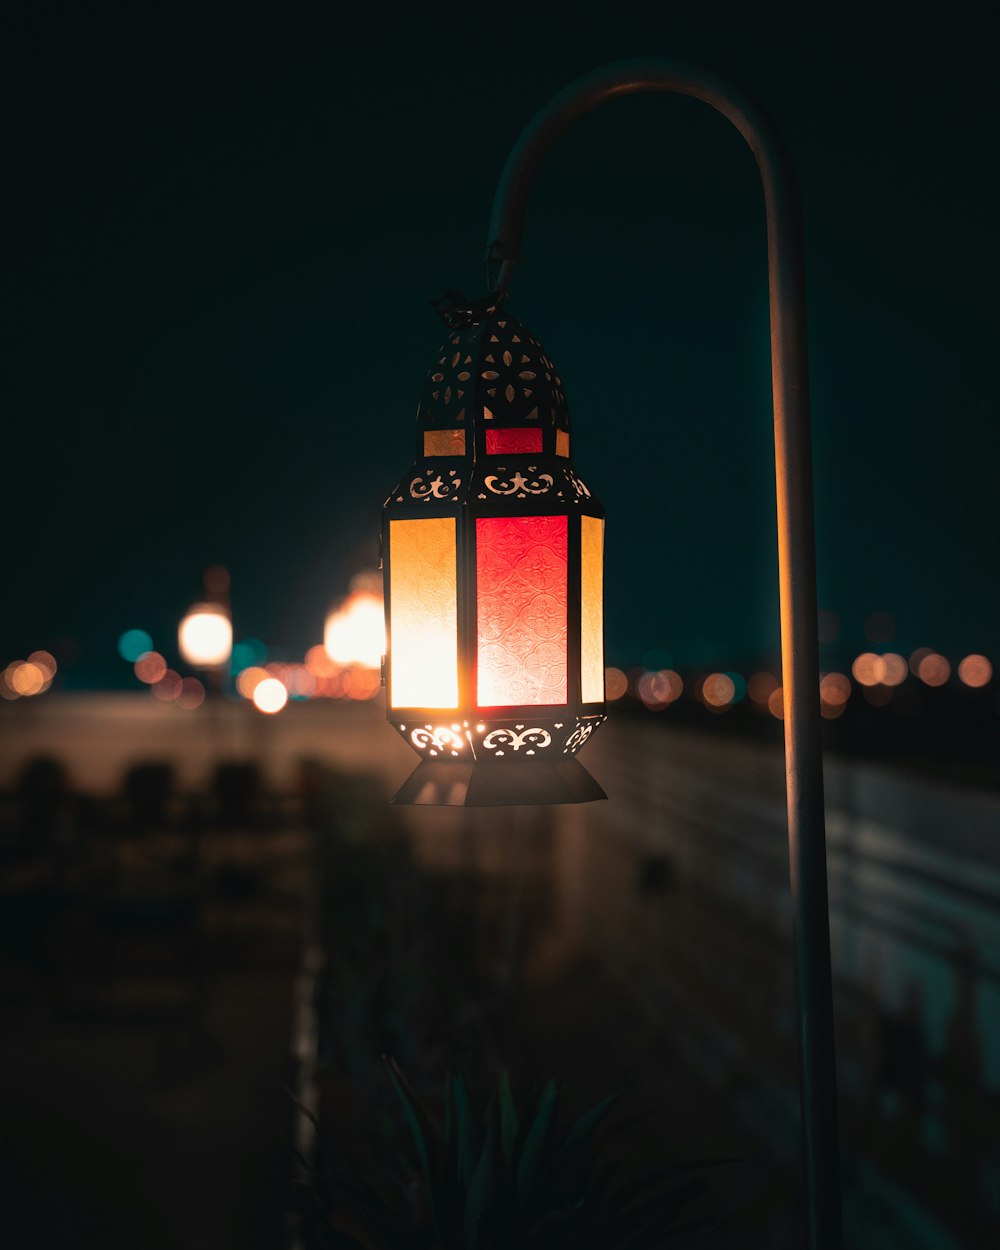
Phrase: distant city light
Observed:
(717, 690)
(835, 689)
(168, 687)
(247, 653)
(355, 632)
(205, 636)
(150, 667)
(894, 669)
(933, 669)
(761, 686)
(776, 703)
(658, 690)
(27, 678)
(133, 643)
(270, 695)
(615, 684)
(868, 669)
(191, 694)
(248, 681)
(975, 671)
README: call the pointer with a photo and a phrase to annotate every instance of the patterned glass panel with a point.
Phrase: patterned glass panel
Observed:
(521, 572)
(592, 609)
(511, 442)
(444, 442)
(562, 442)
(423, 613)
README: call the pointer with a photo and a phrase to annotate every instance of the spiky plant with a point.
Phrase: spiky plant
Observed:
(511, 1179)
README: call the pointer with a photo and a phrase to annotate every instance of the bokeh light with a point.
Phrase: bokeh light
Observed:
(361, 683)
(270, 695)
(894, 669)
(776, 703)
(934, 669)
(761, 686)
(248, 681)
(355, 632)
(868, 669)
(835, 689)
(205, 636)
(717, 690)
(247, 653)
(150, 667)
(133, 643)
(26, 678)
(975, 671)
(615, 684)
(168, 687)
(46, 661)
(191, 694)
(658, 690)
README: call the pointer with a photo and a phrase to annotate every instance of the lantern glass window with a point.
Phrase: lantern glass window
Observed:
(423, 616)
(513, 442)
(521, 565)
(444, 442)
(591, 609)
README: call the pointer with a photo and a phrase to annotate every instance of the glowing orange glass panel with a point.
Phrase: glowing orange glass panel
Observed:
(562, 443)
(522, 597)
(423, 613)
(591, 609)
(444, 442)
(511, 442)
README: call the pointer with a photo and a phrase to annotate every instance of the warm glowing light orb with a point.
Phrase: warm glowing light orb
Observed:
(206, 636)
(355, 632)
(46, 662)
(761, 686)
(776, 703)
(150, 667)
(27, 679)
(934, 669)
(168, 687)
(868, 669)
(834, 689)
(975, 671)
(615, 684)
(191, 694)
(248, 681)
(717, 690)
(270, 695)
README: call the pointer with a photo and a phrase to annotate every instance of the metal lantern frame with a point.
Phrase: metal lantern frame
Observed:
(493, 388)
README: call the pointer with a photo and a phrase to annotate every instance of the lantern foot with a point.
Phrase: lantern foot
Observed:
(499, 783)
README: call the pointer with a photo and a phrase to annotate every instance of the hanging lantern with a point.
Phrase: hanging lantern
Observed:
(493, 550)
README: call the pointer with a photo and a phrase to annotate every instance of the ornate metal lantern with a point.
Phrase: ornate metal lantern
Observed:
(493, 551)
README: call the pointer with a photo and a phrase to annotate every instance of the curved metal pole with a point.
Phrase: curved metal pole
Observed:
(796, 556)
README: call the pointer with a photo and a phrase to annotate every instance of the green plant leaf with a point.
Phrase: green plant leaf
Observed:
(535, 1141)
(468, 1132)
(508, 1117)
(582, 1132)
(420, 1127)
(479, 1198)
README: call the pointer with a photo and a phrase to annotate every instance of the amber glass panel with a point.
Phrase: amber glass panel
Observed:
(423, 613)
(444, 442)
(592, 609)
(510, 442)
(562, 443)
(522, 596)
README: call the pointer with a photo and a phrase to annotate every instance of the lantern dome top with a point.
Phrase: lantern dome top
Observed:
(492, 370)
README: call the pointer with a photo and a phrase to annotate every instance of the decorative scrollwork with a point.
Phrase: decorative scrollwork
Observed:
(531, 740)
(435, 740)
(436, 487)
(578, 486)
(519, 485)
(580, 735)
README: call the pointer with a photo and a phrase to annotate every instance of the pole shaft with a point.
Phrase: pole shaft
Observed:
(796, 558)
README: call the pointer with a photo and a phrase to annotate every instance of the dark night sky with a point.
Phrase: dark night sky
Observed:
(223, 233)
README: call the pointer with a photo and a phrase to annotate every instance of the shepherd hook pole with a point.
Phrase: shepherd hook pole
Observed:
(796, 556)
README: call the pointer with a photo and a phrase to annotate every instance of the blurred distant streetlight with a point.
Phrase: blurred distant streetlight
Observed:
(205, 635)
(441, 564)
(354, 633)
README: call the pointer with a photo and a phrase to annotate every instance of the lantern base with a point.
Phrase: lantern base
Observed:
(495, 783)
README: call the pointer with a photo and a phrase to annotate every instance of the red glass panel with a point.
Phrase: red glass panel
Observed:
(511, 442)
(522, 594)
